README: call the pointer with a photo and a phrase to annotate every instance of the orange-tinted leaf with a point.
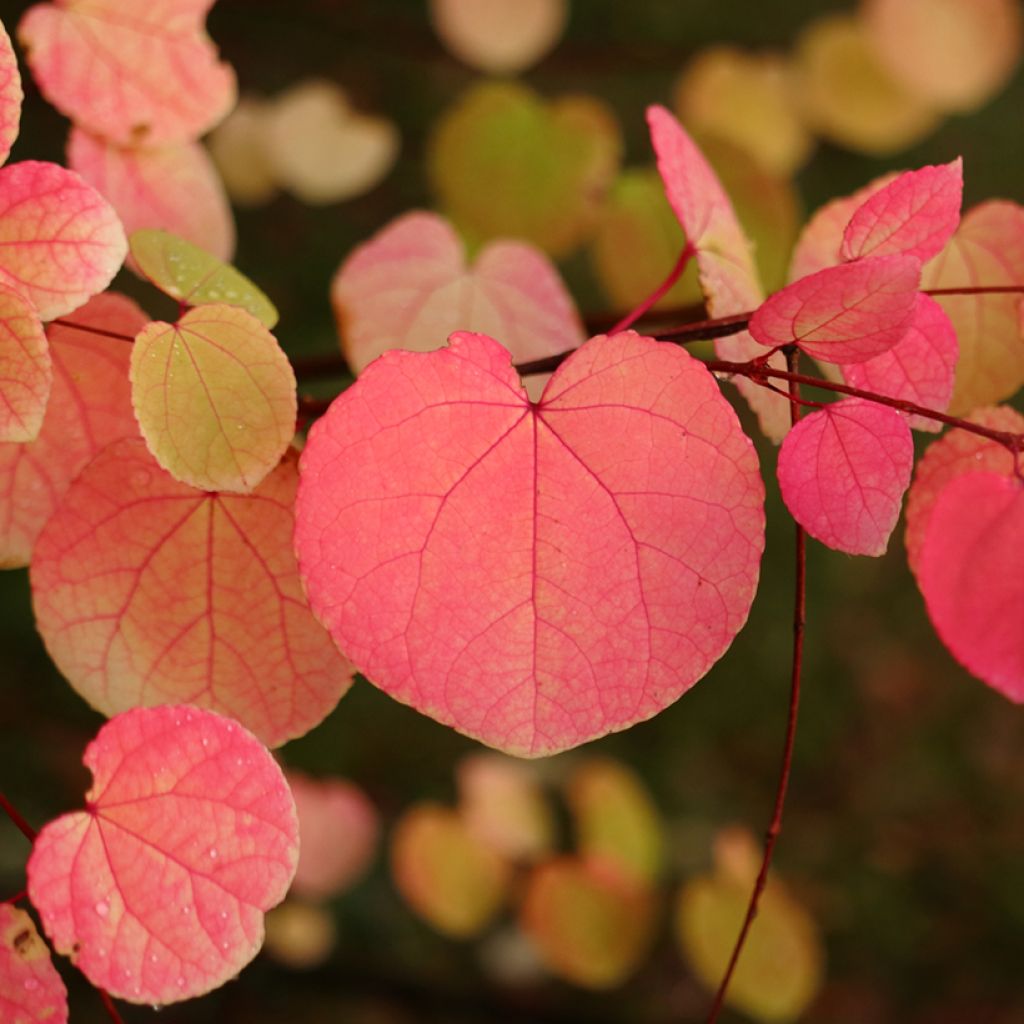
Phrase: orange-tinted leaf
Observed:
(173, 187)
(195, 277)
(149, 592)
(90, 406)
(31, 990)
(26, 370)
(453, 880)
(214, 396)
(152, 77)
(60, 240)
(157, 889)
(590, 925)
(10, 94)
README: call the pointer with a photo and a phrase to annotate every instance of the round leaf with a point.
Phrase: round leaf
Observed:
(31, 990)
(10, 94)
(26, 370)
(157, 889)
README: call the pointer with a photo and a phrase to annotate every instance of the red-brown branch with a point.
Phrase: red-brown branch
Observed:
(22, 825)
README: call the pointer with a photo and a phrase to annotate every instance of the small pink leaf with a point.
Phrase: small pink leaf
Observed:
(409, 287)
(26, 370)
(843, 314)
(152, 77)
(916, 214)
(157, 889)
(728, 276)
(60, 240)
(89, 407)
(148, 592)
(533, 575)
(955, 453)
(10, 95)
(972, 576)
(919, 368)
(843, 471)
(174, 187)
(31, 990)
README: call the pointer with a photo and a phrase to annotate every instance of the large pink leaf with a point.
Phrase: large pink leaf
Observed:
(174, 187)
(728, 276)
(919, 368)
(410, 287)
(972, 576)
(10, 95)
(843, 471)
(148, 592)
(954, 454)
(843, 314)
(916, 214)
(157, 889)
(140, 73)
(90, 406)
(60, 240)
(26, 371)
(533, 575)
(31, 990)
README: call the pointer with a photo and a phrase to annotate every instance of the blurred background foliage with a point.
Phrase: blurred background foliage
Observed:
(904, 836)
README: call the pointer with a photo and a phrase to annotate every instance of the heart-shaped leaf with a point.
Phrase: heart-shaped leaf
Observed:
(60, 240)
(157, 889)
(507, 164)
(152, 77)
(214, 396)
(195, 277)
(31, 990)
(409, 287)
(843, 314)
(26, 370)
(90, 406)
(238, 147)
(843, 471)
(533, 575)
(174, 187)
(149, 592)
(10, 95)
(971, 573)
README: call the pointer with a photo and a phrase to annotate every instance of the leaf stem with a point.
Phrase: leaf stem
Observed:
(22, 825)
(108, 1003)
(659, 293)
(799, 627)
(89, 329)
(17, 897)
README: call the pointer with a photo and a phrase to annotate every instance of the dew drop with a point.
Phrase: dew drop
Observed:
(206, 742)
(213, 853)
(153, 958)
(102, 908)
(186, 909)
(181, 982)
(31, 984)
(223, 915)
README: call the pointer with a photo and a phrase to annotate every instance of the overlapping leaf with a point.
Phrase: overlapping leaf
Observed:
(149, 78)
(566, 569)
(157, 889)
(10, 95)
(410, 287)
(31, 990)
(90, 406)
(843, 470)
(60, 240)
(149, 592)
(26, 370)
(174, 187)
(214, 396)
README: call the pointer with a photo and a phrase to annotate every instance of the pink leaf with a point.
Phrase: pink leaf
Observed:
(919, 368)
(954, 454)
(533, 575)
(10, 95)
(339, 829)
(173, 187)
(157, 889)
(31, 990)
(915, 214)
(843, 471)
(728, 276)
(972, 576)
(152, 77)
(149, 592)
(843, 314)
(89, 407)
(409, 287)
(60, 240)
(26, 371)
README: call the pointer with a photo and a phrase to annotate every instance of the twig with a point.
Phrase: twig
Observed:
(22, 825)
(659, 293)
(89, 329)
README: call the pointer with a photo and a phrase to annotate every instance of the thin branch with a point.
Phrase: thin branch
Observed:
(22, 825)
(111, 1009)
(17, 897)
(984, 289)
(659, 293)
(89, 329)
(799, 626)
